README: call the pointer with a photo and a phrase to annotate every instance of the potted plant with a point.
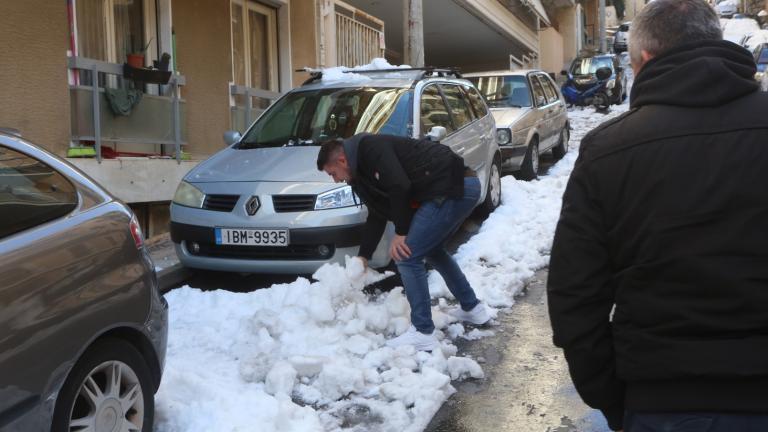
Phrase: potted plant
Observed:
(136, 59)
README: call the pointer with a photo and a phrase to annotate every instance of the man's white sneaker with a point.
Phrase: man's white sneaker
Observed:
(420, 341)
(479, 315)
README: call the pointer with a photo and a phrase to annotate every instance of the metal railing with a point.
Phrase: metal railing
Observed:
(96, 67)
(359, 36)
(251, 113)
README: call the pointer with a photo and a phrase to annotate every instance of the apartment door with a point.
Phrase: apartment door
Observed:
(254, 49)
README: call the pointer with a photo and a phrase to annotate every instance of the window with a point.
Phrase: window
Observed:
(548, 90)
(434, 111)
(254, 48)
(504, 91)
(538, 92)
(109, 30)
(477, 102)
(460, 110)
(31, 193)
(308, 117)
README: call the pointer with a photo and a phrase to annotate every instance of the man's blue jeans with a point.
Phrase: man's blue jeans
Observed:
(694, 422)
(433, 224)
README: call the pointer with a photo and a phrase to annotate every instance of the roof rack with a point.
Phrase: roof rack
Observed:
(10, 131)
(429, 71)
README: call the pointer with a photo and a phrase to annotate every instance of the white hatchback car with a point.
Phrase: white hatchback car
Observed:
(261, 206)
(530, 114)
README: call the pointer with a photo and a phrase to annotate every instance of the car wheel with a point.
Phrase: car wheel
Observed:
(530, 168)
(493, 196)
(562, 146)
(109, 389)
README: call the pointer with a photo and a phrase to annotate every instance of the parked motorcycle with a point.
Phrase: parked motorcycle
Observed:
(585, 90)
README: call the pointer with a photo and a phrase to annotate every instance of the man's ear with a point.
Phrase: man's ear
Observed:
(342, 159)
(645, 55)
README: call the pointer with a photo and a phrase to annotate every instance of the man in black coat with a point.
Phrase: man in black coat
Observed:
(658, 283)
(425, 190)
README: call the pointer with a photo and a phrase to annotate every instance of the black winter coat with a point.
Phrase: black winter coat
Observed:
(665, 216)
(392, 174)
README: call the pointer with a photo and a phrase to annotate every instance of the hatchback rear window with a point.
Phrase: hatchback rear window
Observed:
(504, 91)
(31, 193)
(309, 117)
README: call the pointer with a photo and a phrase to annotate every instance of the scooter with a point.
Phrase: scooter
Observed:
(585, 90)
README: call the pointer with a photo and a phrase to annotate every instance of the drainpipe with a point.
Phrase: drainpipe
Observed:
(413, 33)
(601, 25)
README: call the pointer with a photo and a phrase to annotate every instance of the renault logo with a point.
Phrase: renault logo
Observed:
(252, 206)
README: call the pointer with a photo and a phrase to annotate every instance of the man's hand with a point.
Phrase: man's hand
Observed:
(398, 250)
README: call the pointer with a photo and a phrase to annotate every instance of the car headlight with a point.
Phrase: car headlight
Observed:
(759, 76)
(503, 136)
(611, 84)
(337, 198)
(188, 195)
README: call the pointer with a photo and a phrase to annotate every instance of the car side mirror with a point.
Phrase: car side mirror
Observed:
(437, 133)
(231, 137)
(564, 73)
(604, 73)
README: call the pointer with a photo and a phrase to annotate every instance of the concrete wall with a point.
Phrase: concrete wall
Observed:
(568, 20)
(204, 54)
(303, 38)
(551, 51)
(33, 71)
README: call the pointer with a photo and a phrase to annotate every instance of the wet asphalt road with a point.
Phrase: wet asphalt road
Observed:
(526, 386)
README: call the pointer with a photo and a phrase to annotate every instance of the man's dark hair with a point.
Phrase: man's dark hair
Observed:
(665, 24)
(329, 150)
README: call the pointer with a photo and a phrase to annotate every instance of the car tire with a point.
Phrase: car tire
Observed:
(529, 170)
(562, 146)
(493, 195)
(98, 368)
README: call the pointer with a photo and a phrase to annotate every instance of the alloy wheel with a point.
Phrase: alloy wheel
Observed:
(109, 399)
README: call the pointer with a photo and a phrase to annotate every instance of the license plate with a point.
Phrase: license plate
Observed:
(251, 237)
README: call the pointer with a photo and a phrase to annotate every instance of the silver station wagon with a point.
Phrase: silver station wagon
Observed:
(530, 114)
(261, 206)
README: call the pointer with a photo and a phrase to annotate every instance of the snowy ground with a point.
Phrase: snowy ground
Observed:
(310, 355)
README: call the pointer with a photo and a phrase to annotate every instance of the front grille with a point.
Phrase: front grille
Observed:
(291, 252)
(293, 203)
(223, 203)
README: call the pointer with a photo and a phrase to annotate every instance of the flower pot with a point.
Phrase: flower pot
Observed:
(136, 60)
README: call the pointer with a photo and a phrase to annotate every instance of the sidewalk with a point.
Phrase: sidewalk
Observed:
(170, 272)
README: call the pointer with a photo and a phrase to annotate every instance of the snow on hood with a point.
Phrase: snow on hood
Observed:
(336, 74)
(286, 164)
(506, 117)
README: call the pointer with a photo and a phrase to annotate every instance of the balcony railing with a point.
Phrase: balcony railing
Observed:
(244, 115)
(156, 120)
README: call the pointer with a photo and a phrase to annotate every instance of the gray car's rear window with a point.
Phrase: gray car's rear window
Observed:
(309, 117)
(31, 192)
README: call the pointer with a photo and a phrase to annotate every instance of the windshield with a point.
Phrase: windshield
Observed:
(590, 65)
(504, 91)
(309, 117)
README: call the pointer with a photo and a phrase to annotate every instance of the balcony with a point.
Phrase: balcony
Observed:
(157, 120)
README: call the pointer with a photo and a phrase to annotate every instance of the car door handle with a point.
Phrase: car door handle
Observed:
(460, 150)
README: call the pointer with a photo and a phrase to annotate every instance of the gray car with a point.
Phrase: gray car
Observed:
(83, 327)
(530, 114)
(261, 206)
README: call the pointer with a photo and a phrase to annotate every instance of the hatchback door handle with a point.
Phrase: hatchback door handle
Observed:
(460, 150)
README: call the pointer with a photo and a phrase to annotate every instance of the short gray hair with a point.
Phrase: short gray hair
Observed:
(665, 24)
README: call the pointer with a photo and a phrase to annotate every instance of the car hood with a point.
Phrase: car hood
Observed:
(279, 164)
(506, 117)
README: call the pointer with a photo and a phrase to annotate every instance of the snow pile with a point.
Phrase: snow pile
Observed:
(339, 73)
(311, 356)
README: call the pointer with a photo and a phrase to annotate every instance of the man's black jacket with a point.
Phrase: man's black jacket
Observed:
(391, 174)
(666, 216)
